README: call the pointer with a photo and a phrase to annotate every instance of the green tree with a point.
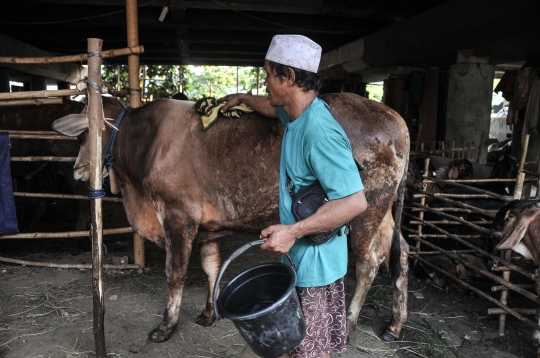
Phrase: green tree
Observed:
(375, 91)
(195, 81)
(162, 80)
(111, 74)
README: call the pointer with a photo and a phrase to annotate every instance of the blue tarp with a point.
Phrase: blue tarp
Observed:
(8, 217)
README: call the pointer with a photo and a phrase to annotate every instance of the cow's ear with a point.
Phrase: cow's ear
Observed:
(453, 173)
(512, 240)
(71, 125)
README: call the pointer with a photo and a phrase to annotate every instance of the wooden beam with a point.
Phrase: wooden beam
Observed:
(66, 72)
(71, 58)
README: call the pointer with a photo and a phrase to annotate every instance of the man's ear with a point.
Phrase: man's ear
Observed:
(291, 77)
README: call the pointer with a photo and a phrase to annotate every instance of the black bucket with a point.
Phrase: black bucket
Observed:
(263, 305)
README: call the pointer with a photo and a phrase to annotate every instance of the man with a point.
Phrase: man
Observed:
(315, 147)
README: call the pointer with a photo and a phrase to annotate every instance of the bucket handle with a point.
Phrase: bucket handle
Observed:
(234, 255)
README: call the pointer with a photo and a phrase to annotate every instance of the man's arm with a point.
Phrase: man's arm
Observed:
(335, 213)
(260, 104)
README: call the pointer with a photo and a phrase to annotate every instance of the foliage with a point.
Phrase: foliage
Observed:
(111, 74)
(195, 81)
(161, 81)
(375, 91)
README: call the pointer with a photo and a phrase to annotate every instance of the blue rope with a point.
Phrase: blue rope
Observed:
(108, 158)
(95, 193)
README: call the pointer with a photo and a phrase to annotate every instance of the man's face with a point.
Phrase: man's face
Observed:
(274, 86)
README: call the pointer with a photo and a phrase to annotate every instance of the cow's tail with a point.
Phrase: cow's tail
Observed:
(397, 209)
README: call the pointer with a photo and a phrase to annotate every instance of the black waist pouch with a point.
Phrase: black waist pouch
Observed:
(307, 201)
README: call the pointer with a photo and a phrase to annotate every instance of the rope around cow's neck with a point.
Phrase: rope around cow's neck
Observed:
(108, 158)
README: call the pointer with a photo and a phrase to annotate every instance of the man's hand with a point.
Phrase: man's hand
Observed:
(279, 238)
(233, 100)
(260, 104)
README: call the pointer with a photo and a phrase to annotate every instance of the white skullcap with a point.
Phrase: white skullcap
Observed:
(296, 51)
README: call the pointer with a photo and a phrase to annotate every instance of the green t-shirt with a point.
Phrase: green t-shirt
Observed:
(315, 147)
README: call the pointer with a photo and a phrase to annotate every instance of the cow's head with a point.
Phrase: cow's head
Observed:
(76, 125)
(517, 225)
(456, 169)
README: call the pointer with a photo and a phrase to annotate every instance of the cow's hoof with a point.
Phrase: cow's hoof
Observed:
(157, 335)
(389, 336)
(205, 321)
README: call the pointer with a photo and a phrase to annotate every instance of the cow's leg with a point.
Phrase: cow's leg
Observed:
(399, 295)
(366, 270)
(370, 248)
(178, 248)
(211, 262)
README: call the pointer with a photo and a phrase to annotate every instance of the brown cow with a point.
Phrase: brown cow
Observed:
(517, 226)
(179, 184)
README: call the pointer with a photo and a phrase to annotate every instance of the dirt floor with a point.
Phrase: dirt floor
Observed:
(47, 312)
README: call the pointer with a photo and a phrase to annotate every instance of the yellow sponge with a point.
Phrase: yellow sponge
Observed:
(209, 108)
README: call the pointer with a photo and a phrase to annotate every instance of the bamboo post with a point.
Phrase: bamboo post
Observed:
(481, 147)
(452, 147)
(528, 286)
(143, 94)
(506, 254)
(44, 159)
(417, 144)
(422, 202)
(62, 196)
(48, 135)
(64, 235)
(72, 58)
(524, 152)
(258, 76)
(67, 266)
(135, 98)
(41, 94)
(35, 101)
(522, 311)
(118, 77)
(538, 181)
(95, 119)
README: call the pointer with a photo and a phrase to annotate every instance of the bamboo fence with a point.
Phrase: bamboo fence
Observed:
(453, 149)
(450, 216)
(42, 97)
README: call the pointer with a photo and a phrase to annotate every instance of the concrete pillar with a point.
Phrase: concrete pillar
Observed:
(470, 89)
(395, 96)
(4, 80)
(428, 108)
(354, 84)
(528, 72)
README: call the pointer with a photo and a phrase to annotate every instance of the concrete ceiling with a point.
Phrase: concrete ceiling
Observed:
(361, 37)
